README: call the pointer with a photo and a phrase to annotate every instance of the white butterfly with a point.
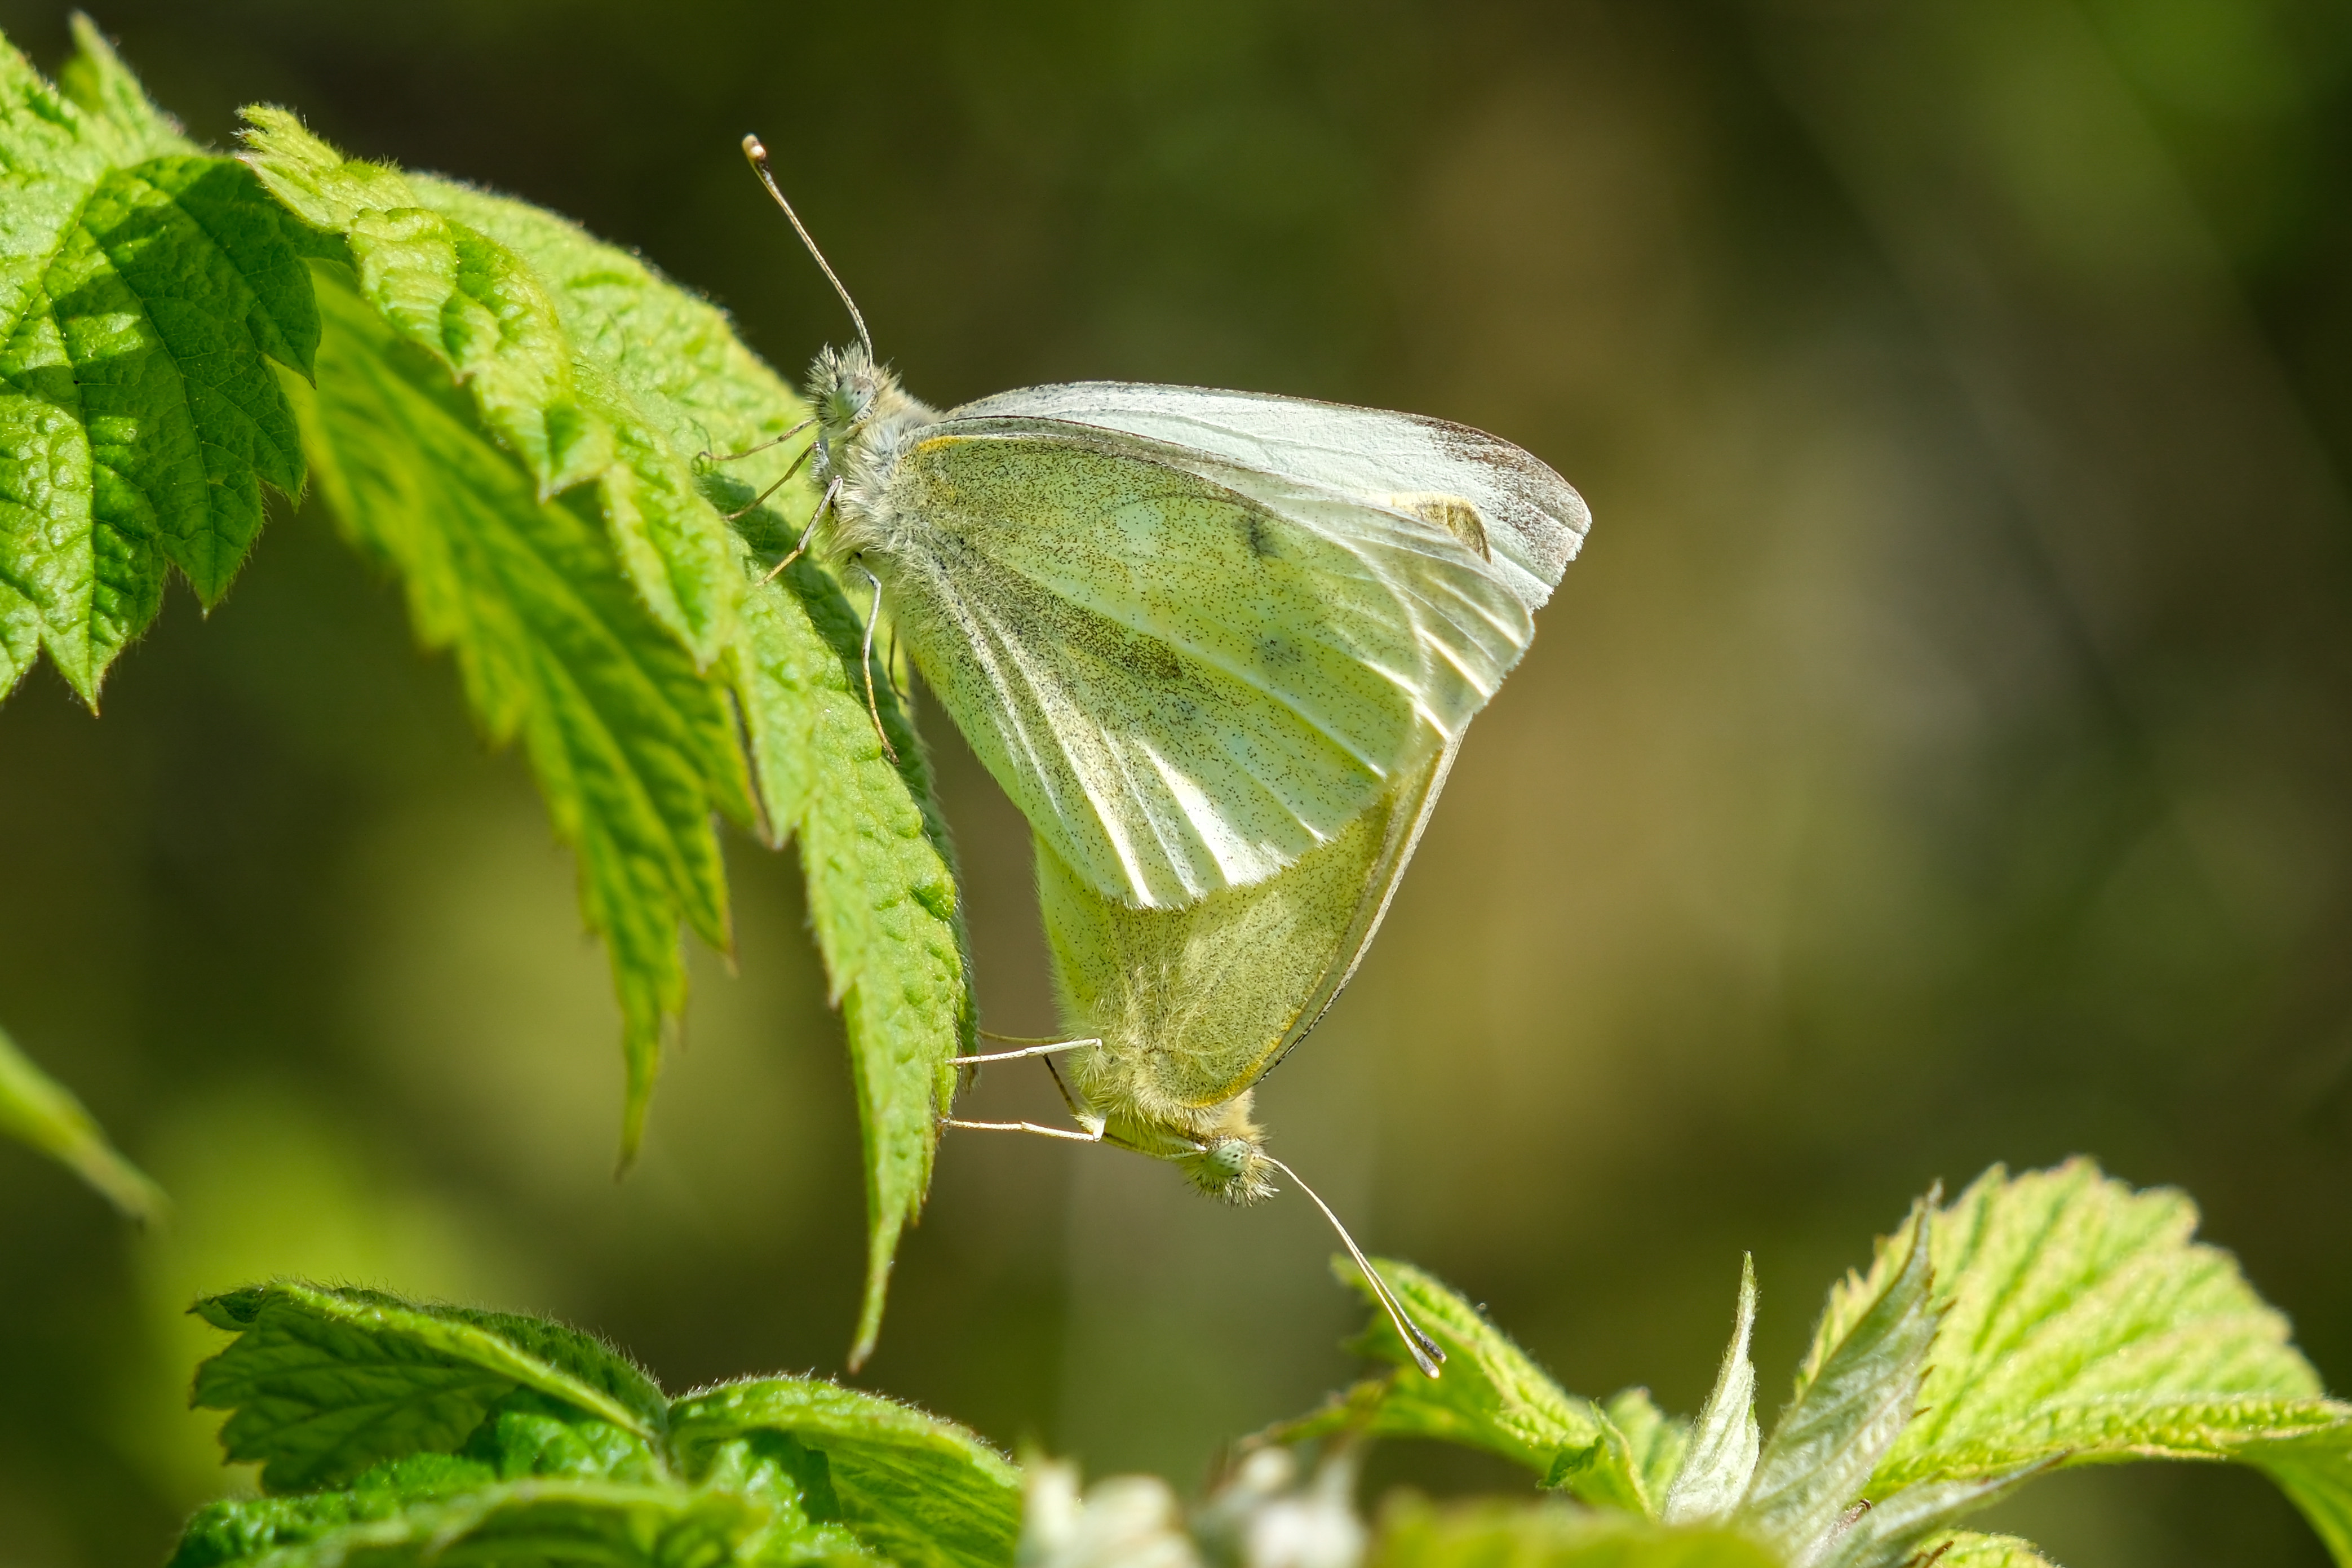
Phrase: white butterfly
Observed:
(1220, 649)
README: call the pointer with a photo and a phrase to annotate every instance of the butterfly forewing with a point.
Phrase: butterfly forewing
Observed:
(1534, 520)
(1186, 674)
(1183, 689)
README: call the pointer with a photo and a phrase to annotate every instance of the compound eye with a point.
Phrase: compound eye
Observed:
(1229, 1156)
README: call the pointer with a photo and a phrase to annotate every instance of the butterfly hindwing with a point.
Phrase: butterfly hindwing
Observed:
(1194, 1004)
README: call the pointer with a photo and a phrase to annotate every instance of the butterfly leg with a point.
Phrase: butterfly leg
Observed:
(707, 456)
(873, 708)
(1069, 1134)
(822, 502)
(760, 500)
(1028, 1048)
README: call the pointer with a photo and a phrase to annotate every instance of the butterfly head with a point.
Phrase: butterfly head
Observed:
(1234, 1168)
(845, 384)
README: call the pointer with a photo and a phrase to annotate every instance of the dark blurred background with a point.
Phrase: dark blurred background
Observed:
(1942, 753)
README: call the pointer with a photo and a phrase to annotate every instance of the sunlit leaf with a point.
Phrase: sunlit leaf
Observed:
(1899, 1529)
(1552, 1535)
(527, 1524)
(1492, 1396)
(632, 747)
(923, 1493)
(1720, 1456)
(2083, 1322)
(1655, 1440)
(142, 291)
(882, 889)
(1861, 1387)
(36, 1108)
(663, 373)
(324, 1384)
(1968, 1550)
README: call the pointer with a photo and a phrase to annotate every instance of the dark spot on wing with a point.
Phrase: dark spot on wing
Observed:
(1261, 541)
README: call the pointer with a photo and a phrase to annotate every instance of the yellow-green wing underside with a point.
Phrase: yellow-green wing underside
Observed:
(1185, 686)
(1195, 1004)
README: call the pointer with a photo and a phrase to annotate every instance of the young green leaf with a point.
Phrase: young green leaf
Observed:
(1720, 1456)
(1860, 1390)
(37, 1109)
(1655, 1440)
(1550, 1536)
(324, 1384)
(526, 1524)
(632, 747)
(1493, 1396)
(142, 292)
(1893, 1530)
(1969, 1550)
(2084, 1323)
(238, 1530)
(923, 1493)
(2315, 1472)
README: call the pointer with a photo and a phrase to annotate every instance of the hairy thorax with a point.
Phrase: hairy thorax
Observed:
(864, 421)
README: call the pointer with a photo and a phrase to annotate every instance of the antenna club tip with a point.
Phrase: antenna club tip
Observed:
(755, 150)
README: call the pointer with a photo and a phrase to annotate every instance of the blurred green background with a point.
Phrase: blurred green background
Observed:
(1942, 753)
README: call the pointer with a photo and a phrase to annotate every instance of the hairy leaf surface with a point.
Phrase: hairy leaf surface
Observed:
(1859, 1394)
(633, 748)
(143, 290)
(1493, 1396)
(1720, 1458)
(882, 890)
(663, 375)
(1969, 1550)
(524, 1524)
(1550, 1536)
(2081, 1322)
(323, 1385)
(923, 1493)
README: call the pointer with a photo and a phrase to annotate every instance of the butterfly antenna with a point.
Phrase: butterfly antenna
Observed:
(872, 707)
(1427, 1354)
(759, 156)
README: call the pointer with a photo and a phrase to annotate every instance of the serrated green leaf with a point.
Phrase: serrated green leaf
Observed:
(534, 1525)
(2083, 1321)
(1656, 1440)
(666, 375)
(1969, 1550)
(1492, 1395)
(1895, 1530)
(141, 291)
(435, 258)
(664, 368)
(882, 888)
(323, 1385)
(1550, 1535)
(239, 1530)
(1720, 1458)
(1861, 1389)
(923, 1493)
(633, 748)
(37, 1109)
